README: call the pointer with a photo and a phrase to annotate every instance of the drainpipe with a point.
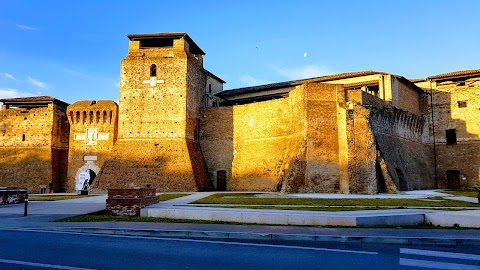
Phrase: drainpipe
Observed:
(433, 134)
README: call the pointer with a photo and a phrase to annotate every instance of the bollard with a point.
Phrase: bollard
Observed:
(25, 212)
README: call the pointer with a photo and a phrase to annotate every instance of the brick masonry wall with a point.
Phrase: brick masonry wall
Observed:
(398, 136)
(129, 202)
(323, 170)
(465, 154)
(405, 97)
(267, 137)
(380, 134)
(255, 143)
(362, 152)
(158, 122)
(216, 140)
(88, 114)
(164, 164)
(32, 143)
(153, 111)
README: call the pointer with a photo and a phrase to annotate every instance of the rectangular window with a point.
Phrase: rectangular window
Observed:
(462, 104)
(451, 135)
(156, 43)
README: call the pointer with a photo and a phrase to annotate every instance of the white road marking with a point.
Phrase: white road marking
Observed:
(437, 265)
(432, 253)
(44, 265)
(204, 241)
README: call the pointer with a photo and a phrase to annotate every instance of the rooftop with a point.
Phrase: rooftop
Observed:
(297, 82)
(328, 78)
(33, 102)
(194, 49)
(455, 74)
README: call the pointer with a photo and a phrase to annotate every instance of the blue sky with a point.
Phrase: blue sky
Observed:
(71, 50)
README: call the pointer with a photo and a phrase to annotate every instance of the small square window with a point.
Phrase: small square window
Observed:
(462, 104)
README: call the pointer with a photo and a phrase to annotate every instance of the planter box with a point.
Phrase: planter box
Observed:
(128, 202)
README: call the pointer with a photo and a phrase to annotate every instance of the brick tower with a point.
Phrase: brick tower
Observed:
(161, 88)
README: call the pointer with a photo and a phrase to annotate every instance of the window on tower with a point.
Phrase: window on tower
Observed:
(153, 70)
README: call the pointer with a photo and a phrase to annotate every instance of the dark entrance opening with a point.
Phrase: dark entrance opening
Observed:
(381, 186)
(92, 177)
(453, 179)
(222, 180)
(451, 135)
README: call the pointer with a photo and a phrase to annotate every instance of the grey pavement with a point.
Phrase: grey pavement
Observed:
(41, 215)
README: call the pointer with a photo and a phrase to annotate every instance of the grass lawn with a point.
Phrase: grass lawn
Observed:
(329, 208)
(252, 199)
(41, 198)
(171, 196)
(466, 193)
(103, 216)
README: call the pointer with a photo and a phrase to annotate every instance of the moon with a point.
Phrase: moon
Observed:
(304, 54)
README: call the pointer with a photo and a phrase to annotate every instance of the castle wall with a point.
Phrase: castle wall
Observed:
(451, 114)
(93, 126)
(158, 121)
(398, 136)
(254, 143)
(380, 134)
(216, 141)
(404, 96)
(267, 137)
(327, 162)
(32, 144)
(164, 164)
(153, 110)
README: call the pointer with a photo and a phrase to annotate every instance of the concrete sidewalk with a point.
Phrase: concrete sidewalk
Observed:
(181, 209)
(42, 213)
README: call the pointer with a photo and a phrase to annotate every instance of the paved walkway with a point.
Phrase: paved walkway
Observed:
(181, 209)
(42, 213)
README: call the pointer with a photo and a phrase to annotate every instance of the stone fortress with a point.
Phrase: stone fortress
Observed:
(175, 129)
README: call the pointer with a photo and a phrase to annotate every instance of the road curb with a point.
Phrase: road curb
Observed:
(277, 236)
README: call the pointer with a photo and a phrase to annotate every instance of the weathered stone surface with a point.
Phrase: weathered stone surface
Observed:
(33, 147)
(456, 106)
(359, 132)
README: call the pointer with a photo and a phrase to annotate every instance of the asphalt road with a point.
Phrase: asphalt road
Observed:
(20, 249)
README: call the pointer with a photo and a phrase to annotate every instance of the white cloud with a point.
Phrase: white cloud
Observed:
(303, 72)
(251, 81)
(10, 76)
(37, 83)
(13, 93)
(26, 27)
